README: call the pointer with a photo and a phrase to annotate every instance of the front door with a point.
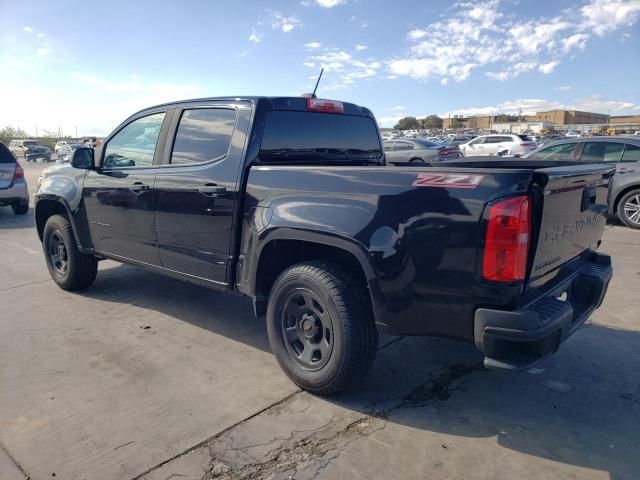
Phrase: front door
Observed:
(197, 189)
(119, 194)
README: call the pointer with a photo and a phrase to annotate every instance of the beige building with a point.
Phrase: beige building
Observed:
(625, 119)
(571, 117)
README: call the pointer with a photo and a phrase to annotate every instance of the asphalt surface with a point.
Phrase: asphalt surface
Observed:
(146, 377)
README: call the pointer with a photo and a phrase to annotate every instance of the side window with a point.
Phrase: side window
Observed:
(555, 152)
(595, 152)
(388, 146)
(203, 135)
(135, 144)
(493, 140)
(631, 153)
(479, 141)
(403, 146)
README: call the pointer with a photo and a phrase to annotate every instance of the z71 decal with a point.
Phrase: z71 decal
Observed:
(448, 180)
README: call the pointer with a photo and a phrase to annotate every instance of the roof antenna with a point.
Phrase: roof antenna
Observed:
(313, 95)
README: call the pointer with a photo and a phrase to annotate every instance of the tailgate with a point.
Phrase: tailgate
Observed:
(574, 209)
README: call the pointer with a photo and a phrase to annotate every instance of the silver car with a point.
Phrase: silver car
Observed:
(410, 151)
(13, 185)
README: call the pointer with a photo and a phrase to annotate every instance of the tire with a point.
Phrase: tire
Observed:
(342, 337)
(68, 267)
(629, 209)
(20, 208)
(417, 161)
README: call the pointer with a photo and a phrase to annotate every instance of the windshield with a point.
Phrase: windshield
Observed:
(30, 143)
(525, 138)
(312, 137)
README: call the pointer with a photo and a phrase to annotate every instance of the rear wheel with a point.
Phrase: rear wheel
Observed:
(629, 209)
(69, 268)
(321, 327)
(20, 208)
(417, 161)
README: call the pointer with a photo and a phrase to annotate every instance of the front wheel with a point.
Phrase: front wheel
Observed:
(69, 268)
(629, 209)
(320, 327)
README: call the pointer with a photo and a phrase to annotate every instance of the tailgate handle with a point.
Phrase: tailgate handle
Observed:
(588, 198)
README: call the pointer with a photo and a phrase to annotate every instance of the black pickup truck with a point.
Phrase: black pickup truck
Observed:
(289, 201)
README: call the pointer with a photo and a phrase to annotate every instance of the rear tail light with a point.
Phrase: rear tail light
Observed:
(507, 240)
(327, 106)
(443, 152)
(527, 144)
(19, 172)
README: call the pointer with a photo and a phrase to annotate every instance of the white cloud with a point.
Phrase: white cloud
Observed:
(481, 34)
(547, 68)
(42, 51)
(254, 36)
(563, 88)
(329, 3)
(360, 48)
(312, 45)
(342, 69)
(283, 22)
(577, 40)
(605, 16)
(27, 29)
(309, 64)
(416, 34)
(529, 106)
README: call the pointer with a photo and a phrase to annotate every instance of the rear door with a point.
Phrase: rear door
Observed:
(7, 167)
(491, 145)
(197, 189)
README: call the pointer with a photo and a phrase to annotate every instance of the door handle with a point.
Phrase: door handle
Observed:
(212, 190)
(138, 187)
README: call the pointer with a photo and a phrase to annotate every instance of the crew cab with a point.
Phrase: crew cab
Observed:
(289, 201)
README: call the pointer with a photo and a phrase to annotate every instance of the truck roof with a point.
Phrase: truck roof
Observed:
(273, 102)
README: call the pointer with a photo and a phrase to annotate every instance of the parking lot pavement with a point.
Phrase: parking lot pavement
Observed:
(88, 391)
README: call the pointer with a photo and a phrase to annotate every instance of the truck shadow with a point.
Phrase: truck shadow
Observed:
(223, 314)
(581, 407)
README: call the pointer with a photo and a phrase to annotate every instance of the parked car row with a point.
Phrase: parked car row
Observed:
(30, 150)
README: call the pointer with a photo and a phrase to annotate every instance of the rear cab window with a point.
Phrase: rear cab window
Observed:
(311, 137)
(203, 135)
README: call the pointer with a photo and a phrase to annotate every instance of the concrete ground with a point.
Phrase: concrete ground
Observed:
(149, 378)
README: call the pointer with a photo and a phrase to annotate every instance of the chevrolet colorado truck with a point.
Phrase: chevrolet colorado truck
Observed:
(289, 201)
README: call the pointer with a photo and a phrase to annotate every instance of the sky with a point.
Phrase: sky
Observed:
(86, 65)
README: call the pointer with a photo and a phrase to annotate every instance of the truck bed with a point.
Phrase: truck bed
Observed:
(422, 229)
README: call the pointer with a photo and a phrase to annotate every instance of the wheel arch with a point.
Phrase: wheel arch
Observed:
(287, 247)
(621, 193)
(50, 205)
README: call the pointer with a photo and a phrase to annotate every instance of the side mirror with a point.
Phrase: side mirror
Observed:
(83, 158)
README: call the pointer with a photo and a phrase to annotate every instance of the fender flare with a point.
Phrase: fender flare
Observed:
(46, 198)
(322, 238)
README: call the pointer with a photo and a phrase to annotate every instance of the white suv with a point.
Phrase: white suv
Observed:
(516, 145)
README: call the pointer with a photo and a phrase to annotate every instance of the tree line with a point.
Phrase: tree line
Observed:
(434, 121)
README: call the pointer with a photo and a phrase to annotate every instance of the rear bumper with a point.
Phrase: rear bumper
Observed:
(18, 192)
(517, 340)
